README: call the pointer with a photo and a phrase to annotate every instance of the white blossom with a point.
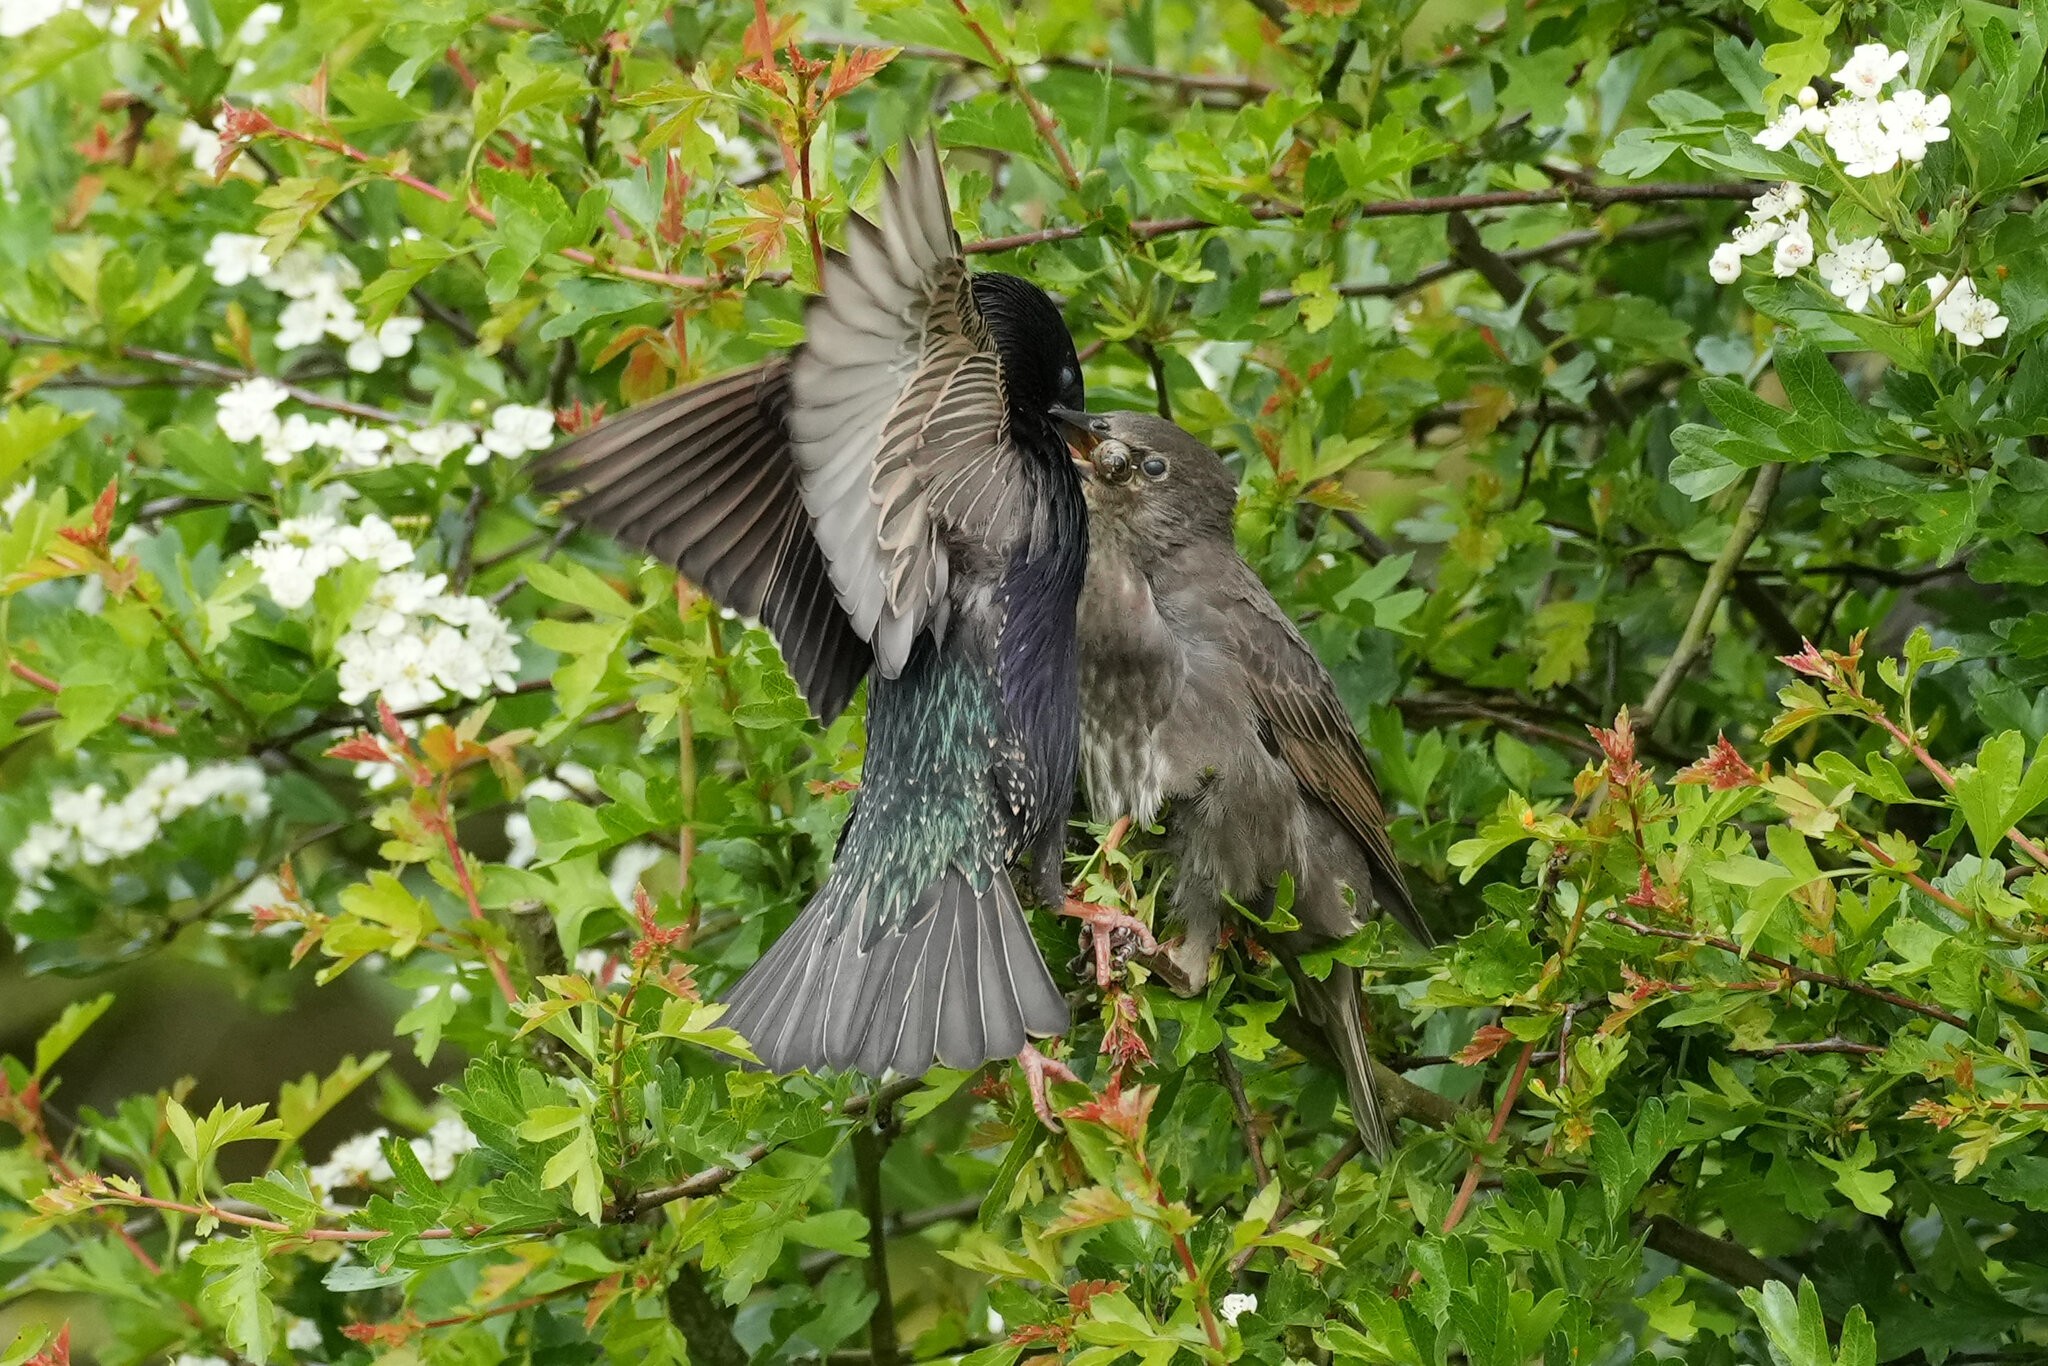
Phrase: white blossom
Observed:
(1914, 121)
(1854, 271)
(413, 643)
(443, 1146)
(368, 352)
(1858, 138)
(356, 445)
(292, 437)
(1963, 313)
(17, 498)
(1779, 132)
(1795, 249)
(1778, 203)
(1236, 1306)
(292, 557)
(8, 151)
(248, 411)
(355, 1161)
(301, 1335)
(394, 599)
(627, 867)
(1869, 69)
(1752, 237)
(237, 256)
(436, 443)
(89, 829)
(1725, 265)
(516, 429)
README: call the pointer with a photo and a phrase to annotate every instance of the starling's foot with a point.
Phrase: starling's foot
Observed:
(1037, 1067)
(1103, 925)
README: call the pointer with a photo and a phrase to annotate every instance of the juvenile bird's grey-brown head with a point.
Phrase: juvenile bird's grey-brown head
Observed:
(1152, 489)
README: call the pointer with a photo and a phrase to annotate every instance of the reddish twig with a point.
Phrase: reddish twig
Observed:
(1470, 1185)
(148, 725)
(2031, 848)
(1048, 130)
(446, 820)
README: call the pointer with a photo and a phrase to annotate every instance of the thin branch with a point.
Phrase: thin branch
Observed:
(1183, 83)
(713, 1179)
(1466, 246)
(1463, 1200)
(869, 1145)
(148, 725)
(1048, 129)
(214, 370)
(1741, 536)
(1561, 245)
(1793, 970)
(1728, 1262)
(1849, 1046)
(1247, 1118)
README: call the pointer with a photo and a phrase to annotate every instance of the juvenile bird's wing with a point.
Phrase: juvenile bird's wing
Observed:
(899, 422)
(1313, 733)
(704, 480)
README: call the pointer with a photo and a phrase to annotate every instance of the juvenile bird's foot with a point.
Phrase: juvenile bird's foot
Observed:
(1103, 926)
(1037, 1067)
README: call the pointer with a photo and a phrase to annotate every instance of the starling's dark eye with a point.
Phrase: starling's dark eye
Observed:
(1154, 467)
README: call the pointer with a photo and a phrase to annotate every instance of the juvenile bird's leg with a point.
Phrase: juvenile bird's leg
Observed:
(1037, 1067)
(1102, 921)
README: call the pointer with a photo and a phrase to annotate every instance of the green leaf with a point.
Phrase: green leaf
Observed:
(56, 1041)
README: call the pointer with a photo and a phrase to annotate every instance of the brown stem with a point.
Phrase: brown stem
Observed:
(1247, 1119)
(1007, 69)
(227, 374)
(1217, 83)
(148, 725)
(1793, 970)
(446, 820)
(1508, 1098)
(1941, 775)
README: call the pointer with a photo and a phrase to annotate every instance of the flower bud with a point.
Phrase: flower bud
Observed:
(1894, 273)
(1808, 97)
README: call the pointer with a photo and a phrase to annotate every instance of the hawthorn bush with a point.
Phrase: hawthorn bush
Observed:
(1643, 405)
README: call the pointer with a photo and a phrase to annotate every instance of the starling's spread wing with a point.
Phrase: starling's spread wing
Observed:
(1314, 735)
(899, 423)
(703, 479)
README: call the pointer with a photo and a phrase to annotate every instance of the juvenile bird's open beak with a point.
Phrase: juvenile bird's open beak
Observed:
(1083, 433)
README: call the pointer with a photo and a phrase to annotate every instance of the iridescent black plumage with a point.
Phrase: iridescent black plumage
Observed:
(893, 499)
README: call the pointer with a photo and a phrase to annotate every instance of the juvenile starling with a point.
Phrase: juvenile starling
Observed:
(1196, 689)
(893, 499)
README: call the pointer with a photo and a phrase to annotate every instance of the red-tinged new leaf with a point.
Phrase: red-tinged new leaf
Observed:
(1082, 1293)
(361, 748)
(1722, 768)
(1488, 1041)
(849, 70)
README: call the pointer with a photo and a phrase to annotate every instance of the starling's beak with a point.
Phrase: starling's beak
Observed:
(1083, 433)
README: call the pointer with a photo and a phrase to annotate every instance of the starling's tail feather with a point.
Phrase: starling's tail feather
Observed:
(1334, 1005)
(959, 982)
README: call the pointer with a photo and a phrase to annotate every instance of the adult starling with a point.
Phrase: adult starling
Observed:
(893, 499)
(1197, 689)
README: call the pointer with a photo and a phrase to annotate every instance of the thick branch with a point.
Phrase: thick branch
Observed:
(1748, 523)
(869, 1144)
(706, 1325)
(1467, 247)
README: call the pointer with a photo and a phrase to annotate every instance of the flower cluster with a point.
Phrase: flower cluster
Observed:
(360, 1161)
(1868, 133)
(317, 285)
(1237, 1305)
(293, 556)
(248, 411)
(413, 642)
(86, 830)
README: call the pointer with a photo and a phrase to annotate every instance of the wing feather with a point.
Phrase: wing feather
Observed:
(1316, 738)
(703, 479)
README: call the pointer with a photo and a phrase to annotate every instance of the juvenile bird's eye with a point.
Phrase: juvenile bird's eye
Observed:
(1154, 467)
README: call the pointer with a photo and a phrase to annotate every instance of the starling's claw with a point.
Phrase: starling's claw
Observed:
(1037, 1067)
(1103, 924)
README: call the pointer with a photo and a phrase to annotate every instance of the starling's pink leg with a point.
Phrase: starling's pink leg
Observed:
(1103, 923)
(1037, 1067)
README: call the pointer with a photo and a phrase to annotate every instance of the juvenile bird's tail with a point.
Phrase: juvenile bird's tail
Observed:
(959, 982)
(1334, 1005)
